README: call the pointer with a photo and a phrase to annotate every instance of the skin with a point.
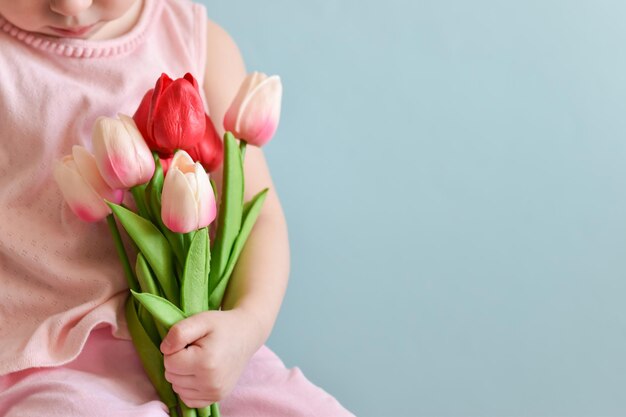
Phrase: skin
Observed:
(110, 18)
(204, 354)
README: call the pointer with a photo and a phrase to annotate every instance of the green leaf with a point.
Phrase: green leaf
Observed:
(231, 206)
(145, 276)
(154, 247)
(164, 312)
(194, 296)
(150, 356)
(251, 213)
(146, 320)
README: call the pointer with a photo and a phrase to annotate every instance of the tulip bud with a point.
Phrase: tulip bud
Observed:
(171, 116)
(83, 187)
(187, 201)
(210, 150)
(122, 155)
(254, 113)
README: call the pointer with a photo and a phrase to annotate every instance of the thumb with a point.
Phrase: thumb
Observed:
(186, 332)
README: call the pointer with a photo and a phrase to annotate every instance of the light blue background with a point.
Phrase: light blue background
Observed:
(454, 178)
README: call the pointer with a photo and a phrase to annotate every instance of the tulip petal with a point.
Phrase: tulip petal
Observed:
(86, 203)
(122, 156)
(210, 150)
(182, 161)
(88, 169)
(260, 112)
(231, 116)
(141, 115)
(190, 78)
(207, 209)
(112, 151)
(178, 119)
(178, 209)
(143, 157)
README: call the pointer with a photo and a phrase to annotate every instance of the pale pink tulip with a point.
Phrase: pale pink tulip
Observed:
(83, 187)
(187, 202)
(254, 113)
(122, 155)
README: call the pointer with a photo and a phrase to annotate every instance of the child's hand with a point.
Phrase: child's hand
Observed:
(206, 353)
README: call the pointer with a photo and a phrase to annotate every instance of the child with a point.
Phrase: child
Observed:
(64, 345)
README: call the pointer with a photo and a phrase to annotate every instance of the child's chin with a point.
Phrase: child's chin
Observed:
(84, 32)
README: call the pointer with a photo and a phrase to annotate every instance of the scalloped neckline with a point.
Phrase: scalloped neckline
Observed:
(85, 48)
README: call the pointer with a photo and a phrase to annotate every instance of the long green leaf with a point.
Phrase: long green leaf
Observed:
(150, 355)
(195, 283)
(148, 284)
(251, 213)
(164, 312)
(154, 247)
(231, 206)
(145, 276)
(146, 320)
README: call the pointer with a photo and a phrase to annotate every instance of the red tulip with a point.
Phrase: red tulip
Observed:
(210, 150)
(171, 116)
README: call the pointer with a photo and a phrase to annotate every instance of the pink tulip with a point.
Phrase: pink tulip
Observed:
(187, 201)
(122, 155)
(83, 187)
(254, 113)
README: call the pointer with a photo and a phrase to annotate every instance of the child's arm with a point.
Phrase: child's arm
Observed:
(222, 342)
(259, 280)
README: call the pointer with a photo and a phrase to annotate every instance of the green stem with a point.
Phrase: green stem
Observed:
(186, 411)
(121, 252)
(139, 196)
(215, 410)
(204, 412)
(242, 148)
(174, 412)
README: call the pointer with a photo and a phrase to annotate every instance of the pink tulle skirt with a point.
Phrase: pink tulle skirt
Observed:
(107, 379)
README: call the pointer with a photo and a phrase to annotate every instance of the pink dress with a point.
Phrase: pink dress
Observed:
(64, 345)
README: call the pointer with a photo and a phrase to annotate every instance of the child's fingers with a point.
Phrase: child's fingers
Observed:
(183, 381)
(190, 397)
(187, 331)
(183, 362)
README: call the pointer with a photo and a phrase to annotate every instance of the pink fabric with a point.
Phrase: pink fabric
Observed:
(59, 276)
(106, 380)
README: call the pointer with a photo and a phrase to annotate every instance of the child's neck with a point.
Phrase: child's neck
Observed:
(119, 27)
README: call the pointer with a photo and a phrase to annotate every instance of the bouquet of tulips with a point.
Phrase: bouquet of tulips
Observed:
(162, 155)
